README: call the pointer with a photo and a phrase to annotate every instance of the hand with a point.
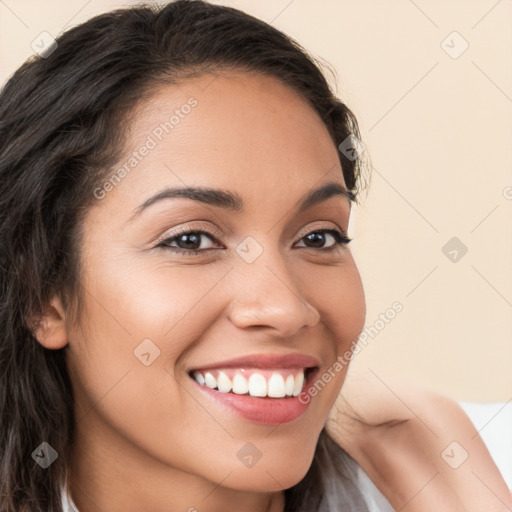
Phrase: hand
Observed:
(366, 404)
(397, 431)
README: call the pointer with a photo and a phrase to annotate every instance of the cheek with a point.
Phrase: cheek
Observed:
(132, 302)
(340, 299)
(342, 307)
(136, 324)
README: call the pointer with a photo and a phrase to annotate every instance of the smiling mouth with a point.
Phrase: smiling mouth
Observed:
(256, 382)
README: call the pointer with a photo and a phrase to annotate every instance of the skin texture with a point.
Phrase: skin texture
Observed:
(147, 438)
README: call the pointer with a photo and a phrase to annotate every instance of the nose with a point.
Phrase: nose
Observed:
(267, 297)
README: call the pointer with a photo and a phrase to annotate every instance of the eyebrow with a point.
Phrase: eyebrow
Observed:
(231, 201)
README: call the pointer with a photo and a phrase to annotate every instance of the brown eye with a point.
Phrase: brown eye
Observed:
(317, 239)
(187, 241)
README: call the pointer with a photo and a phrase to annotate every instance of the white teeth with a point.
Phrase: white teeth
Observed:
(257, 385)
(289, 385)
(210, 380)
(276, 387)
(223, 383)
(240, 385)
(199, 378)
(299, 382)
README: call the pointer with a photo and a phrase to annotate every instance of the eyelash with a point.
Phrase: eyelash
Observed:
(339, 237)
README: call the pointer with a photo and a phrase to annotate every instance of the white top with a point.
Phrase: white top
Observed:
(375, 500)
(67, 502)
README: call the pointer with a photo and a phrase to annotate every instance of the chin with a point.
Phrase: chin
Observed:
(267, 481)
(271, 475)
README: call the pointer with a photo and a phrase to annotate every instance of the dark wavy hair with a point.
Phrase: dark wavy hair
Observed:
(63, 122)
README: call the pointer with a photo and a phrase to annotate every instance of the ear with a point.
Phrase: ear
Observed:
(50, 329)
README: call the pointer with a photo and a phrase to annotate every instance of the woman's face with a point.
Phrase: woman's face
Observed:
(254, 288)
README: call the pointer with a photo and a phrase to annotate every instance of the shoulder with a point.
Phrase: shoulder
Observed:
(419, 447)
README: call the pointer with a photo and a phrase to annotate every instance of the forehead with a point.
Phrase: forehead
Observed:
(244, 132)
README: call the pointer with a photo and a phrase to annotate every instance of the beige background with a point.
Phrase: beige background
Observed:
(438, 130)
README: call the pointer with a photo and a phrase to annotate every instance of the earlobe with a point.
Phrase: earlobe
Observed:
(50, 329)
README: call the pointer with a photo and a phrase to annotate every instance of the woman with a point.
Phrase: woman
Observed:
(176, 281)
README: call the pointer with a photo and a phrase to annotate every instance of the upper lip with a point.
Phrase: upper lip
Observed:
(294, 360)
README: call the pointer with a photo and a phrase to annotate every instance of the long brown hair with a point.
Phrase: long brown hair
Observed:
(62, 127)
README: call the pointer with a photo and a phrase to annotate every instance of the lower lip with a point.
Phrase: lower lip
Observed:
(264, 410)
